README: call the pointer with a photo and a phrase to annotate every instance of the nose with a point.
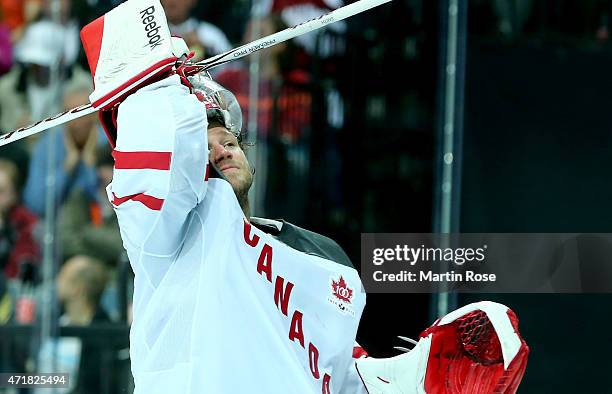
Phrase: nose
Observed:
(218, 153)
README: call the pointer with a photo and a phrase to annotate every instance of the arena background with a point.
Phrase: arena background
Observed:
(532, 153)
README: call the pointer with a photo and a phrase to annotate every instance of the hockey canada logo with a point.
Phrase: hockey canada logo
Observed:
(341, 295)
(341, 290)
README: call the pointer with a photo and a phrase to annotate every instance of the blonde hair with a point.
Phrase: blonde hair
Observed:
(92, 273)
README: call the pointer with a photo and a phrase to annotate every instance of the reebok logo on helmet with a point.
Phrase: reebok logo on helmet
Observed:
(151, 26)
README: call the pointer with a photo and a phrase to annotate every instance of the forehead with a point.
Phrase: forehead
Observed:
(216, 133)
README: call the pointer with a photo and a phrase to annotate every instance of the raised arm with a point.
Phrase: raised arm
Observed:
(160, 156)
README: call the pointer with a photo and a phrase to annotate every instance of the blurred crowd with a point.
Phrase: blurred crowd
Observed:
(62, 174)
(574, 21)
(301, 97)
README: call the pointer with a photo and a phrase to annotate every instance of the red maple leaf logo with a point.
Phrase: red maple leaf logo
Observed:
(341, 290)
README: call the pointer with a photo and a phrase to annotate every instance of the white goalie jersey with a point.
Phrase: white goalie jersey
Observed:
(219, 305)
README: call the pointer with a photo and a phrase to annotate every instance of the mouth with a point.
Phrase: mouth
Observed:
(228, 168)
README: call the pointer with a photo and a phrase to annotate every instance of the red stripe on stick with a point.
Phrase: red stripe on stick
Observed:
(150, 202)
(142, 160)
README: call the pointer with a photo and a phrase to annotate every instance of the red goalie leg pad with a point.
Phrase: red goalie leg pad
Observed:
(466, 357)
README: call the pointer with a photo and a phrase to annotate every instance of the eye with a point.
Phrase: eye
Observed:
(229, 144)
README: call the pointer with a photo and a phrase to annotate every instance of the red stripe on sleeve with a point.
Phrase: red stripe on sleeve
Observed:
(142, 160)
(359, 352)
(150, 202)
(206, 176)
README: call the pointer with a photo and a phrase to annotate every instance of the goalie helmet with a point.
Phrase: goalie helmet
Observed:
(221, 104)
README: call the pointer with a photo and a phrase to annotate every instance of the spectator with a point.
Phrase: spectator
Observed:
(6, 302)
(17, 152)
(17, 14)
(28, 92)
(294, 12)
(69, 25)
(74, 155)
(86, 11)
(278, 70)
(80, 284)
(512, 15)
(89, 226)
(19, 258)
(18, 249)
(6, 47)
(202, 37)
(13, 348)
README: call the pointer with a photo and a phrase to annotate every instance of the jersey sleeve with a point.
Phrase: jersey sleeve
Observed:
(161, 158)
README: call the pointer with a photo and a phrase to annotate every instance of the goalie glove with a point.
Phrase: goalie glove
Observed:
(476, 349)
(127, 48)
(108, 115)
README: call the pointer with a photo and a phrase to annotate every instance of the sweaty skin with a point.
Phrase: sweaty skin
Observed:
(230, 160)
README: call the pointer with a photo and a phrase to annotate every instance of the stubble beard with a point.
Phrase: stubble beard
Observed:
(241, 188)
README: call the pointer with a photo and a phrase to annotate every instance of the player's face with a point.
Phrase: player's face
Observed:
(229, 158)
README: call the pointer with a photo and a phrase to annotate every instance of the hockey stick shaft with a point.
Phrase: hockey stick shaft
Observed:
(291, 32)
(236, 53)
(47, 123)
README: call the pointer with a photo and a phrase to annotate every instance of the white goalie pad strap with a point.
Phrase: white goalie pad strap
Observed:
(125, 47)
(498, 315)
(179, 47)
(403, 374)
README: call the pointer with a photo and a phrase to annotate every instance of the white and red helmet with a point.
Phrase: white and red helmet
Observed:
(221, 104)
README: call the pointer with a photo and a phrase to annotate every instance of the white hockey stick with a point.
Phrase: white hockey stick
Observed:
(47, 123)
(236, 53)
(291, 32)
